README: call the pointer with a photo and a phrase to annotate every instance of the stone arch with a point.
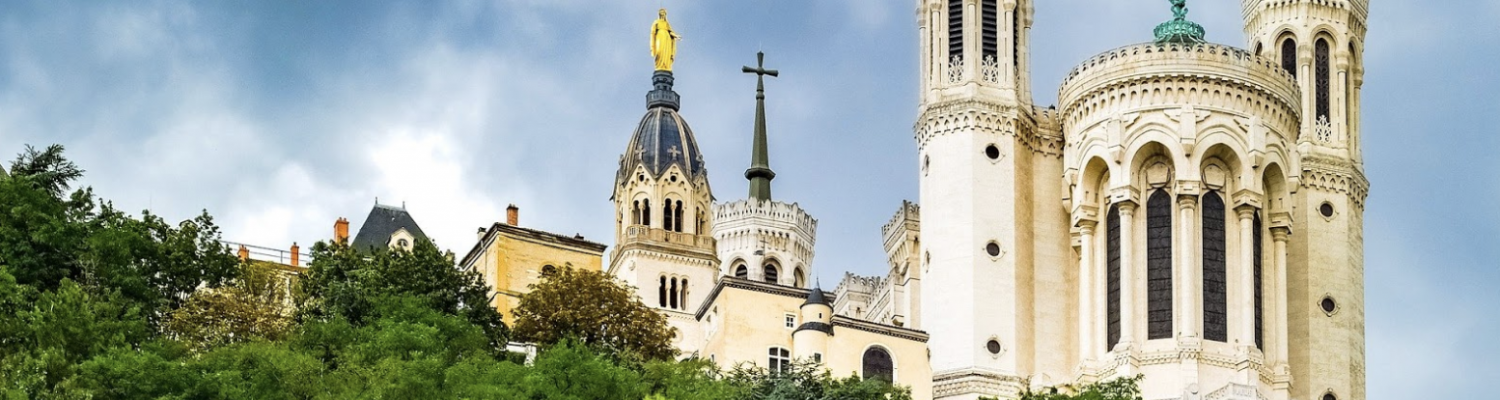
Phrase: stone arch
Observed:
(1238, 175)
(878, 361)
(1093, 184)
(1145, 156)
(1276, 189)
(771, 270)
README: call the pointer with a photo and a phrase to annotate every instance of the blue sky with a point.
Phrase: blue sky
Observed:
(280, 116)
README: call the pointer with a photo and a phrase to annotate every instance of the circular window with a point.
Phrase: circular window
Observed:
(674, 178)
(641, 177)
(993, 346)
(992, 152)
(1326, 209)
(1328, 305)
(992, 248)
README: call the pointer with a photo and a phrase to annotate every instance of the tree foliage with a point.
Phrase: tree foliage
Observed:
(1116, 389)
(341, 281)
(255, 306)
(806, 380)
(593, 308)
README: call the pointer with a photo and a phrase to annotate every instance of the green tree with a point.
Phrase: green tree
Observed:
(595, 309)
(1116, 389)
(810, 381)
(343, 282)
(47, 170)
(255, 306)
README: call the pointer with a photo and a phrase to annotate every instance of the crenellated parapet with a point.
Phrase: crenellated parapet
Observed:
(770, 240)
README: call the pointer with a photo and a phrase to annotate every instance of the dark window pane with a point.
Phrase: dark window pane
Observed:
(878, 365)
(1159, 266)
(1259, 286)
(1215, 295)
(990, 29)
(1113, 280)
(955, 28)
(1320, 59)
(1289, 56)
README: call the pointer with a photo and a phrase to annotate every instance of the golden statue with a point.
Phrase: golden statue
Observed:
(663, 42)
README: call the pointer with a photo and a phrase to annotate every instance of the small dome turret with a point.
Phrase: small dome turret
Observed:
(663, 138)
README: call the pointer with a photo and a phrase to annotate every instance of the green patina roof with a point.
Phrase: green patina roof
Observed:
(1179, 29)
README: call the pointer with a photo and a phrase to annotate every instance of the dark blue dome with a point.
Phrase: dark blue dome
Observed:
(663, 138)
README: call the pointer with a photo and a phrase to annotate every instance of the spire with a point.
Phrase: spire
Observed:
(760, 174)
(1179, 30)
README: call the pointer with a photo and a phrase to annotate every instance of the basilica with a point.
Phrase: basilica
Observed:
(1189, 212)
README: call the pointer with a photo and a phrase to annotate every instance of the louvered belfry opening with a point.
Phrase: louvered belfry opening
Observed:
(1215, 286)
(1159, 265)
(955, 29)
(990, 32)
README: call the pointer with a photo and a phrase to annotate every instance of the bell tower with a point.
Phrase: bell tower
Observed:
(1321, 44)
(987, 205)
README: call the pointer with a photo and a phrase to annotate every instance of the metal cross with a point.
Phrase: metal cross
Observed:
(761, 72)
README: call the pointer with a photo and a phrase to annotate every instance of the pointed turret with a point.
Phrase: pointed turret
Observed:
(760, 174)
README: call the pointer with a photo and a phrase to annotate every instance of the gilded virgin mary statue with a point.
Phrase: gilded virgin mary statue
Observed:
(663, 42)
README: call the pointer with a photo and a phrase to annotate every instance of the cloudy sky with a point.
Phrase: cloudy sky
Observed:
(280, 116)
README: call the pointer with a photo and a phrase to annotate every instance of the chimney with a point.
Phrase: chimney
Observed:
(296, 254)
(512, 215)
(341, 231)
(244, 253)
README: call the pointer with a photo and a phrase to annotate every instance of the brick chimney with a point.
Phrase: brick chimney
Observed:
(341, 231)
(244, 253)
(512, 215)
(296, 255)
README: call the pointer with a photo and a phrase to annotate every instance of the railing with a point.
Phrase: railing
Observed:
(641, 232)
(262, 253)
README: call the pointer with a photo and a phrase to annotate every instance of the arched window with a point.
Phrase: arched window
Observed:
(661, 293)
(1215, 295)
(1159, 266)
(635, 213)
(1289, 56)
(673, 294)
(678, 217)
(798, 279)
(548, 270)
(780, 360)
(1112, 286)
(1320, 59)
(1259, 306)
(646, 212)
(742, 272)
(666, 215)
(955, 29)
(1015, 43)
(877, 364)
(990, 29)
(682, 294)
(770, 271)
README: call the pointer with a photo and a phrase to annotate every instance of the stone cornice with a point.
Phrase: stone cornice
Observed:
(1343, 179)
(976, 381)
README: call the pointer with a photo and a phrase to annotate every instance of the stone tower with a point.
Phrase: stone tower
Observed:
(1321, 43)
(990, 196)
(760, 238)
(663, 214)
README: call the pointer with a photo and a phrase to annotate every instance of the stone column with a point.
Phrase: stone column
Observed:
(1189, 285)
(1245, 335)
(1279, 235)
(1127, 274)
(1086, 289)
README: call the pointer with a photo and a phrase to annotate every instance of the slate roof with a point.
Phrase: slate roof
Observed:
(663, 138)
(384, 221)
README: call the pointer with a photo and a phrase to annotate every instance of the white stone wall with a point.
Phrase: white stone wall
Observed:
(756, 233)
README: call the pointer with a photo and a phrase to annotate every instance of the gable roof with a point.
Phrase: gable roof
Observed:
(384, 221)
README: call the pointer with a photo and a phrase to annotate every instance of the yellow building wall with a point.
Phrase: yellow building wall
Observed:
(741, 326)
(512, 262)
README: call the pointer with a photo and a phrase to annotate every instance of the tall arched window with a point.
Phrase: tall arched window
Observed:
(678, 217)
(635, 213)
(771, 273)
(878, 365)
(1112, 260)
(1159, 265)
(798, 279)
(1259, 306)
(955, 29)
(742, 272)
(646, 212)
(1289, 56)
(1320, 58)
(672, 294)
(1015, 42)
(661, 293)
(667, 214)
(1215, 295)
(990, 29)
(682, 294)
